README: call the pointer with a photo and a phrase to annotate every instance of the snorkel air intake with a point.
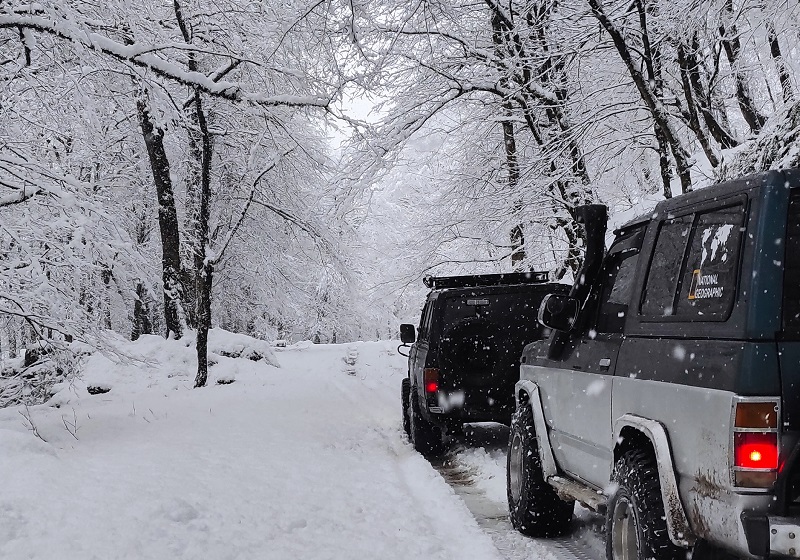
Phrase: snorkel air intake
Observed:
(594, 218)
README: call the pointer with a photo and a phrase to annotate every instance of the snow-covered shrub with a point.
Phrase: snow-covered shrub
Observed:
(234, 345)
(31, 379)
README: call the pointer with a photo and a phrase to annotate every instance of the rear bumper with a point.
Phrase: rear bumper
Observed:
(772, 535)
(474, 408)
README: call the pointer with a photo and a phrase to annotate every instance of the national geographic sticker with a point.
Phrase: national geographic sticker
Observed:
(705, 286)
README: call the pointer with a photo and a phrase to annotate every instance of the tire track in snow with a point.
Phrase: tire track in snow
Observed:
(409, 465)
(492, 516)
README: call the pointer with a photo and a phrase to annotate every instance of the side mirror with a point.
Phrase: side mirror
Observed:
(559, 312)
(408, 333)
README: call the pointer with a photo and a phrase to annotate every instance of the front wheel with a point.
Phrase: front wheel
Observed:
(534, 506)
(636, 527)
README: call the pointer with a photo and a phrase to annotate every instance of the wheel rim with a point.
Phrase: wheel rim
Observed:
(515, 468)
(624, 534)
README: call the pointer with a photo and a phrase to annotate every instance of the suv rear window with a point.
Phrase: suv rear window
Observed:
(510, 310)
(694, 270)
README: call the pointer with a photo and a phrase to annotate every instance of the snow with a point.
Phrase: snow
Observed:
(142, 55)
(297, 461)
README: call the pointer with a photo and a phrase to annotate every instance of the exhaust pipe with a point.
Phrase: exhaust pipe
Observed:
(594, 218)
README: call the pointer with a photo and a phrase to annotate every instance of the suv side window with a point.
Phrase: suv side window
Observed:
(710, 274)
(617, 282)
(616, 292)
(426, 320)
(659, 290)
(694, 269)
(423, 320)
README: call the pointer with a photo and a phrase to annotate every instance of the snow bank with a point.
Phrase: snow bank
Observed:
(154, 362)
(301, 462)
(233, 345)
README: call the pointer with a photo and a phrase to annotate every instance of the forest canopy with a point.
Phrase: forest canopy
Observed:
(171, 167)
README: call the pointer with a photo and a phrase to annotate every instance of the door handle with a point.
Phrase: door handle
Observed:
(605, 364)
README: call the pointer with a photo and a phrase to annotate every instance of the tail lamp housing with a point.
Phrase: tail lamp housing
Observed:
(756, 443)
(430, 380)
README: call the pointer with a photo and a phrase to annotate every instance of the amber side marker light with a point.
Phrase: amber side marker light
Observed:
(756, 415)
(755, 444)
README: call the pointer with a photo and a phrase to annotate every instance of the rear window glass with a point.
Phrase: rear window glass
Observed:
(512, 314)
(694, 270)
(710, 276)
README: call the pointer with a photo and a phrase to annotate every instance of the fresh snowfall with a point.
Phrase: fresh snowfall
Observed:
(296, 453)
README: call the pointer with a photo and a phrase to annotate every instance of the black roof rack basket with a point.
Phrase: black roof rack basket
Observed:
(438, 282)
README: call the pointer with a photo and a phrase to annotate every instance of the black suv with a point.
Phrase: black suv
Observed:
(464, 362)
(668, 395)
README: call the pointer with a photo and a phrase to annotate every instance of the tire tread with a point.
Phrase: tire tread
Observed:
(636, 473)
(540, 512)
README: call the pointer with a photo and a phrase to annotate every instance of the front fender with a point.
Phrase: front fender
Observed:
(534, 401)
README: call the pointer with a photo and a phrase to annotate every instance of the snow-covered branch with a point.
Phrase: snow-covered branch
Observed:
(141, 55)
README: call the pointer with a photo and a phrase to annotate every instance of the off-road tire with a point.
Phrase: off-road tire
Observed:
(636, 527)
(534, 507)
(427, 438)
(405, 393)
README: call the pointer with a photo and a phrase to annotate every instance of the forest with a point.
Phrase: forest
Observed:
(291, 170)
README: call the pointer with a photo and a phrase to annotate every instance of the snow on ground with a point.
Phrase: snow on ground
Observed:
(481, 456)
(303, 461)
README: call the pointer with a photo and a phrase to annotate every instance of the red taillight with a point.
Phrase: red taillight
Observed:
(756, 451)
(756, 442)
(431, 379)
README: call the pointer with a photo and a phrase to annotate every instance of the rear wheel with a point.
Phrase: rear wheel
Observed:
(405, 392)
(636, 527)
(534, 507)
(426, 437)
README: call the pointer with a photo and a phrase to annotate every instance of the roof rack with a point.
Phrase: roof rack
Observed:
(434, 282)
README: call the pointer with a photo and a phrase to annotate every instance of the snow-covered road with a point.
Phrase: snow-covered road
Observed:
(301, 462)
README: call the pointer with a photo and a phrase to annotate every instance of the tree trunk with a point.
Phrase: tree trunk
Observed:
(571, 191)
(733, 48)
(192, 182)
(691, 107)
(780, 64)
(517, 236)
(141, 313)
(652, 60)
(203, 323)
(106, 275)
(13, 343)
(174, 315)
(204, 265)
(663, 161)
(718, 127)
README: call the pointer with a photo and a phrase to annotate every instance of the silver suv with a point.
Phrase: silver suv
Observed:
(668, 395)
